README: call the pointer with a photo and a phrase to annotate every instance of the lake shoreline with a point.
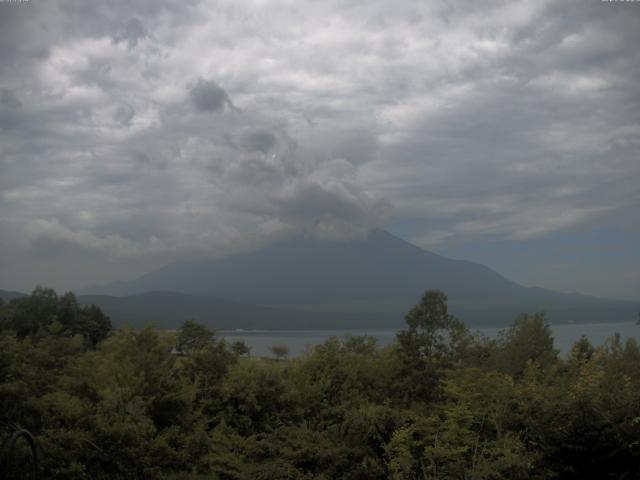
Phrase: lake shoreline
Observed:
(299, 341)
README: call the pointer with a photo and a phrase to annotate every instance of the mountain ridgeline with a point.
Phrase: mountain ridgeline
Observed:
(311, 284)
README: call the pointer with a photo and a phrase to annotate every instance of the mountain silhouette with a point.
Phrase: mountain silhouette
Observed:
(381, 275)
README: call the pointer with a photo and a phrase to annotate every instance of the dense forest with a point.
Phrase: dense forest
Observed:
(439, 403)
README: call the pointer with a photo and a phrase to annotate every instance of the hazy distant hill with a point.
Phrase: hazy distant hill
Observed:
(8, 295)
(380, 277)
(169, 309)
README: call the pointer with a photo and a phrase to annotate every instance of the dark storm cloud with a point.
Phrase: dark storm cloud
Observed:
(122, 19)
(15, 44)
(208, 96)
(258, 139)
(119, 138)
(10, 114)
(9, 100)
(132, 32)
(124, 114)
(524, 147)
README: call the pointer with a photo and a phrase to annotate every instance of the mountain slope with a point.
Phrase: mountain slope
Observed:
(307, 272)
(169, 309)
(380, 275)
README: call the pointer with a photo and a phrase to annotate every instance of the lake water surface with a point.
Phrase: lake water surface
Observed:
(299, 341)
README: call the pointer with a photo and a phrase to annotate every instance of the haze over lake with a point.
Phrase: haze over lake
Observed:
(300, 341)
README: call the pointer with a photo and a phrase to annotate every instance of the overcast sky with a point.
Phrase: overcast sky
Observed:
(134, 133)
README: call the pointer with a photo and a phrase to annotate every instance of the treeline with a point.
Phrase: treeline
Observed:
(439, 403)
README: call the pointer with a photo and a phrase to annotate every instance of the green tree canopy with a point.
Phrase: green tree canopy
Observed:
(194, 336)
(433, 340)
(44, 313)
(279, 350)
(528, 340)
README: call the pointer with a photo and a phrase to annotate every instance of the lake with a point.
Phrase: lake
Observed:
(299, 341)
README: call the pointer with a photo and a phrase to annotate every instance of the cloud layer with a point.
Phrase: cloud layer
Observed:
(155, 130)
